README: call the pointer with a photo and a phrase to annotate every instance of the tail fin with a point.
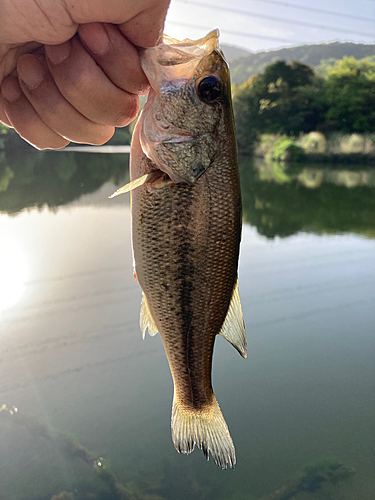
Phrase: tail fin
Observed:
(207, 429)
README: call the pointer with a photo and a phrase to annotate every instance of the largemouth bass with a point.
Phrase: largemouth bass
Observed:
(186, 229)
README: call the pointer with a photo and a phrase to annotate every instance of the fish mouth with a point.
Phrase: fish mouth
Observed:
(172, 52)
(175, 59)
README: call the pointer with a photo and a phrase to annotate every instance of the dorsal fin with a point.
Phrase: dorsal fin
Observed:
(233, 329)
(145, 320)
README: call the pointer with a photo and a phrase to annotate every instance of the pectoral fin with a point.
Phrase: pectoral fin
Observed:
(233, 329)
(134, 184)
(145, 320)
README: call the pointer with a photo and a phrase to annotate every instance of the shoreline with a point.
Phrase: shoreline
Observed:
(315, 147)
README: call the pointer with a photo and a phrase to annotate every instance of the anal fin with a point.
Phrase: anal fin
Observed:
(145, 320)
(233, 329)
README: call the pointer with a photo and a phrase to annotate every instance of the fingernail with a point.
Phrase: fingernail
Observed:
(58, 53)
(95, 37)
(31, 71)
(10, 89)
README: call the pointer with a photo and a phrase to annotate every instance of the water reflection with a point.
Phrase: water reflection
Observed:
(301, 409)
(31, 179)
(279, 200)
(12, 271)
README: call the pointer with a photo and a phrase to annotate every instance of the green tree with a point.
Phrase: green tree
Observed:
(245, 108)
(350, 95)
(285, 99)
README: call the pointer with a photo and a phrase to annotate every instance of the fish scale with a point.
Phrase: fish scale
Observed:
(186, 254)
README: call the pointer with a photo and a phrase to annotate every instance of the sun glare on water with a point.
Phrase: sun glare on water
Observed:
(12, 274)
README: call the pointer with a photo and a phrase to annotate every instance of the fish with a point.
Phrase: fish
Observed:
(186, 229)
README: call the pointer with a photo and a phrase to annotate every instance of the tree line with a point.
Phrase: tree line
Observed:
(292, 98)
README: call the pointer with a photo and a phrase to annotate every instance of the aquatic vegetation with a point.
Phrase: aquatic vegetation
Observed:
(311, 478)
(71, 447)
(64, 495)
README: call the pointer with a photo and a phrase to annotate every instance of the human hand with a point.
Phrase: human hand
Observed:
(70, 69)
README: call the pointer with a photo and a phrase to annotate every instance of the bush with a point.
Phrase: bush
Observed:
(314, 142)
(286, 150)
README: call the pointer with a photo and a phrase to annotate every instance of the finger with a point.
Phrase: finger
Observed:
(3, 116)
(55, 111)
(142, 22)
(116, 56)
(53, 22)
(146, 28)
(25, 120)
(87, 88)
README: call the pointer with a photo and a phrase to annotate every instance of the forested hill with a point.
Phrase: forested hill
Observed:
(313, 55)
(232, 52)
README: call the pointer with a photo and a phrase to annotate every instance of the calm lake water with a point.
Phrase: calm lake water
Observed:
(92, 400)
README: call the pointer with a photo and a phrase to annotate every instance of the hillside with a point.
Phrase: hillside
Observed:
(232, 51)
(245, 66)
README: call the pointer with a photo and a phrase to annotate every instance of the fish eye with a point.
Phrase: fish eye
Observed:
(209, 89)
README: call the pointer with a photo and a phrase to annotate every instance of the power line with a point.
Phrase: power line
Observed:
(321, 11)
(274, 18)
(229, 32)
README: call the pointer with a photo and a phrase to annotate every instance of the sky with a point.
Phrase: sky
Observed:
(258, 25)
